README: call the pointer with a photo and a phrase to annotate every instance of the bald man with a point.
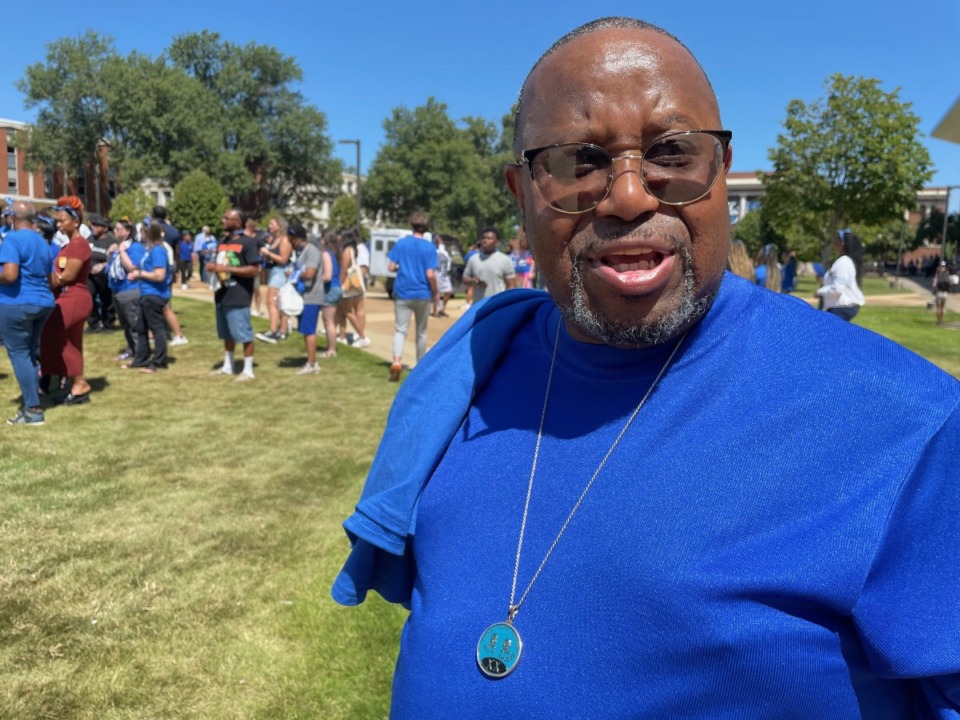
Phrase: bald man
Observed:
(646, 493)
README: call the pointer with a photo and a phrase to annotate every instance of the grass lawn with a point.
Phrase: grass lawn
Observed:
(167, 550)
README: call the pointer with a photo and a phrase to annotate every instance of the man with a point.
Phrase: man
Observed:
(205, 247)
(102, 243)
(171, 236)
(186, 255)
(310, 258)
(26, 302)
(489, 271)
(941, 288)
(414, 260)
(677, 525)
(237, 264)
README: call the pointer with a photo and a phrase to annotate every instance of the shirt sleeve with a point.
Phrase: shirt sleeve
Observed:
(10, 251)
(908, 614)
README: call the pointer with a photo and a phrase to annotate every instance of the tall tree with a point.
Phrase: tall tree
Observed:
(71, 109)
(430, 163)
(850, 157)
(264, 125)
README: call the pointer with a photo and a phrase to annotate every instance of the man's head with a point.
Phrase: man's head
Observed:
(489, 239)
(159, 213)
(420, 222)
(233, 219)
(297, 234)
(205, 230)
(627, 268)
(99, 225)
(24, 215)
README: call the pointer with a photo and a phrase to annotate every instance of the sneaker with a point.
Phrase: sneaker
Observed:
(363, 342)
(183, 287)
(179, 340)
(343, 341)
(268, 337)
(282, 336)
(309, 369)
(220, 372)
(244, 377)
(26, 417)
(125, 355)
(395, 371)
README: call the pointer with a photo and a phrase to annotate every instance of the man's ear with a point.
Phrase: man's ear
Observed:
(512, 174)
(728, 160)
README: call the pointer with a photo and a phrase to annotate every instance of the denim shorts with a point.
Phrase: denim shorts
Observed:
(233, 323)
(277, 276)
(333, 295)
(307, 322)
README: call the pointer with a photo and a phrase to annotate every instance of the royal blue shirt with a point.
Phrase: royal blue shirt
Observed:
(155, 258)
(136, 252)
(28, 250)
(414, 256)
(775, 536)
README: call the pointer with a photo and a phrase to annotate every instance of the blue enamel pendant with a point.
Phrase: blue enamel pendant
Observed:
(498, 651)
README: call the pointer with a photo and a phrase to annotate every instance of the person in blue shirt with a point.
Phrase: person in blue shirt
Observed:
(126, 292)
(153, 275)
(414, 259)
(25, 303)
(658, 490)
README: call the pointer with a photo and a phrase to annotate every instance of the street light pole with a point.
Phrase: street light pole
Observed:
(357, 143)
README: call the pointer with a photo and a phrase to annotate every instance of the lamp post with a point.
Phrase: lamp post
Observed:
(946, 217)
(357, 143)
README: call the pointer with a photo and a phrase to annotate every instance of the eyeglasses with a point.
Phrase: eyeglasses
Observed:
(678, 168)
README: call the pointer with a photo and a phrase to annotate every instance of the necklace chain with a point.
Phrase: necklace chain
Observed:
(514, 608)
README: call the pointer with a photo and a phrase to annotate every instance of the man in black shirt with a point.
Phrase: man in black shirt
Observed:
(101, 241)
(236, 265)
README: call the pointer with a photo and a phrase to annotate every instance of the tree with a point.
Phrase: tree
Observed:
(264, 126)
(198, 200)
(343, 212)
(851, 157)
(430, 163)
(134, 204)
(930, 229)
(71, 111)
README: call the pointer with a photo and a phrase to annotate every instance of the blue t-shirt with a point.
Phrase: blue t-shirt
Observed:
(28, 250)
(753, 548)
(186, 251)
(414, 256)
(156, 258)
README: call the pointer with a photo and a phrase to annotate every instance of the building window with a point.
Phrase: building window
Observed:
(11, 170)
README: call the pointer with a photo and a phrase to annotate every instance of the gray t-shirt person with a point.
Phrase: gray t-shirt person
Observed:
(491, 271)
(311, 257)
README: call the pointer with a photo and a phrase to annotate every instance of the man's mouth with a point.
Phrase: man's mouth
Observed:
(626, 262)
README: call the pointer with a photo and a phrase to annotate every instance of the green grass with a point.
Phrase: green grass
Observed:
(167, 550)
(806, 286)
(916, 328)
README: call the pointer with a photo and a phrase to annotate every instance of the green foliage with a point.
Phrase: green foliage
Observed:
(134, 204)
(206, 104)
(430, 163)
(343, 212)
(198, 200)
(851, 157)
(931, 230)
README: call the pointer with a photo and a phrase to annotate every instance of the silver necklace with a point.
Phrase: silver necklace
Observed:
(499, 647)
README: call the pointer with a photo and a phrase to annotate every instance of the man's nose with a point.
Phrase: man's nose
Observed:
(628, 198)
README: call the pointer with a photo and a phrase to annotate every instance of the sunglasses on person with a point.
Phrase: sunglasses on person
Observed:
(677, 168)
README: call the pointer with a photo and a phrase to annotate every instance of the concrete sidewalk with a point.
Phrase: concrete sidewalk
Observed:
(379, 326)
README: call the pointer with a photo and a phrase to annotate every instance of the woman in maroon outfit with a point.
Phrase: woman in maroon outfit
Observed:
(61, 345)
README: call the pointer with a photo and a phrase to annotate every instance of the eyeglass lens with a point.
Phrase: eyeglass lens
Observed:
(676, 169)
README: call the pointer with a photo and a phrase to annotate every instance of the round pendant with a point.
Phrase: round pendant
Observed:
(498, 651)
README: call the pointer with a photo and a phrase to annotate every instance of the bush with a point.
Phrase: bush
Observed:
(134, 204)
(198, 200)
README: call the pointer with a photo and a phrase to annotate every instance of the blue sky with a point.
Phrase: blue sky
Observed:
(361, 59)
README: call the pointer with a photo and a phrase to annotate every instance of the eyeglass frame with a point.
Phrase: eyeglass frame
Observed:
(527, 157)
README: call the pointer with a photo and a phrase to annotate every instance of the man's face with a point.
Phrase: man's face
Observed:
(98, 230)
(632, 271)
(488, 242)
(230, 221)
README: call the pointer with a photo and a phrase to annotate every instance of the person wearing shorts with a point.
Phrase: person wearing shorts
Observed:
(941, 287)
(332, 290)
(311, 264)
(237, 264)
